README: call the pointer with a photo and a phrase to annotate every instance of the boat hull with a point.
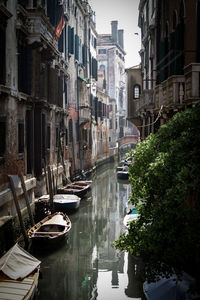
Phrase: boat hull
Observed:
(66, 202)
(49, 230)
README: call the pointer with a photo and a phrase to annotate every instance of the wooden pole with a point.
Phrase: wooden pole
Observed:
(53, 182)
(45, 173)
(50, 189)
(27, 199)
(12, 186)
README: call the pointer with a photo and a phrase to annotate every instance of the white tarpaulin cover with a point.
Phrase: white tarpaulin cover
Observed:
(18, 263)
(56, 220)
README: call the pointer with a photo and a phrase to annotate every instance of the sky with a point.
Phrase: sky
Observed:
(126, 13)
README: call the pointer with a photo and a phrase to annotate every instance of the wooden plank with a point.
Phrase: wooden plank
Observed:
(8, 290)
(27, 199)
(15, 285)
(10, 297)
(18, 209)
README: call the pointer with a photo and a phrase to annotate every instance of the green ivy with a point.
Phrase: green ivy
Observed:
(165, 184)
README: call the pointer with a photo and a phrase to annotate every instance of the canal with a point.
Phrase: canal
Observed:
(86, 266)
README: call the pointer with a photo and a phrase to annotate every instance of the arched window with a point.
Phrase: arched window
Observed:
(102, 67)
(136, 91)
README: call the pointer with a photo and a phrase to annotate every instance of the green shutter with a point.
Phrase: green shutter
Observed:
(72, 41)
(69, 39)
(76, 47)
(84, 54)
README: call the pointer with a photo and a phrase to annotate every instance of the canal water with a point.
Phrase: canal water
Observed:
(86, 266)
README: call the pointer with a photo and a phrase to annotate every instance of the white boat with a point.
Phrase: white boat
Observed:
(19, 273)
(130, 216)
(170, 288)
(66, 202)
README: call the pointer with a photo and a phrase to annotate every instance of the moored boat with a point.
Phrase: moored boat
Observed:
(66, 202)
(19, 273)
(130, 216)
(78, 189)
(52, 228)
(122, 174)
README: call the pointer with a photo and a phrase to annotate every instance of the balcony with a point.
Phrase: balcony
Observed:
(84, 114)
(171, 92)
(146, 100)
(192, 83)
(39, 28)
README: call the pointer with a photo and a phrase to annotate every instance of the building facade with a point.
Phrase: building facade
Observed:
(111, 67)
(47, 58)
(169, 60)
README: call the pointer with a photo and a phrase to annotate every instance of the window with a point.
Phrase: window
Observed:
(102, 51)
(20, 137)
(70, 131)
(102, 67)
(136, 91)
(57, 137)
(48, 137)
(66, 137)
(2, 136)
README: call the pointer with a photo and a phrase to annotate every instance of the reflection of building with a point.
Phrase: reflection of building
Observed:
(111, 66)
(135, 268)
(170, 61)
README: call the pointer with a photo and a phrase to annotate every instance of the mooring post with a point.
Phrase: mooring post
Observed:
(26, 199)
(23, 229)
(50, 189)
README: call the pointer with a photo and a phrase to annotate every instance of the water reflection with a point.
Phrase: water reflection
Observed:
(86, 266)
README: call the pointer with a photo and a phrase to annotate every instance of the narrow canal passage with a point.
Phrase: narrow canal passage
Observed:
(86, 266)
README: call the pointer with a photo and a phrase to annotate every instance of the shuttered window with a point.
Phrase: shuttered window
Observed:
(2, 136)
(70, 131)
(84, 55)
(94, 68)
(20, 137)
(76, 47)
(70, 40)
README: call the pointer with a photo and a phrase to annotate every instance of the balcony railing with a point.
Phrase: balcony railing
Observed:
(84, 113)
(39, 27)
(145, 100)
(170, 92)
(192, 82)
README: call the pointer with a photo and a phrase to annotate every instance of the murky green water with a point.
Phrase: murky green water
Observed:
(85, 266)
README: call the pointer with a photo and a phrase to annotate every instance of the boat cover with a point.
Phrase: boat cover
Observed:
(56, 220)
(67, 197)
(169, 289)
(18, 263)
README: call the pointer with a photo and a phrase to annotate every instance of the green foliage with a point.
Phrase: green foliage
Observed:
(164, 178)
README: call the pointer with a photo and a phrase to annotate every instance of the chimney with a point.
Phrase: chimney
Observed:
(114, 27)
(121, 38)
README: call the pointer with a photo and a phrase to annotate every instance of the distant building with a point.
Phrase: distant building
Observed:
(134, 88)
(112, 77)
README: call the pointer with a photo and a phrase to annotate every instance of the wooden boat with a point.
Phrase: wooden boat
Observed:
(66, 202)
(19, 273)
(51, 229)
(77, 188)
(122, 174)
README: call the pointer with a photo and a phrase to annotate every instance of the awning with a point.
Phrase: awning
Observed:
(84, 79)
